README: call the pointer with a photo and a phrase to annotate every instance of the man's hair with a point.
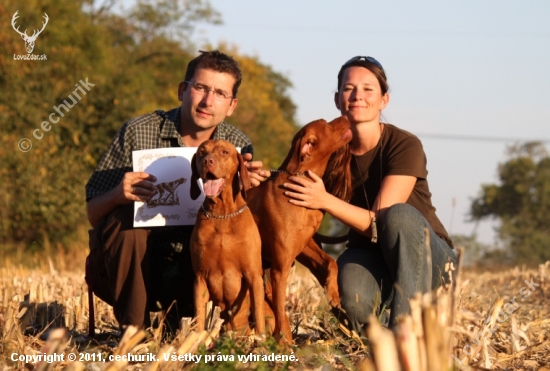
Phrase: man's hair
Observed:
(217, 61)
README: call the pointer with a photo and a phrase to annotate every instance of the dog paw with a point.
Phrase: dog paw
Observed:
(333, 299)
(260, 338)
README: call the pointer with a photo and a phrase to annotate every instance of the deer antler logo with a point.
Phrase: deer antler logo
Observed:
(29, 40)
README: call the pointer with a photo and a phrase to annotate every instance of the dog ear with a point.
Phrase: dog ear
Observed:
(307, 149)
(244, 177)
(337, 175)
(195, 190)
(294, 158)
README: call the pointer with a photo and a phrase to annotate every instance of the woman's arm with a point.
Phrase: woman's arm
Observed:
(395, 189)
(312, 194)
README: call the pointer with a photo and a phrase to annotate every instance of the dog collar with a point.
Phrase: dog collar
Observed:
(209, 215)
(275, 172)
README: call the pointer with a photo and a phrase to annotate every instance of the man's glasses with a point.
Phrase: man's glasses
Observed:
(203, 89)
(367, 59)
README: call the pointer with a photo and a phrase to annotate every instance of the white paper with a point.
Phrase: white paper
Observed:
(172, 203)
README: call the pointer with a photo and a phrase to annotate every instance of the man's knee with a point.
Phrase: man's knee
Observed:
(114, 246)
(122, 216)
(118, 235)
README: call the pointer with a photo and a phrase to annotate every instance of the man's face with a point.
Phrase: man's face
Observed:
(203, 110)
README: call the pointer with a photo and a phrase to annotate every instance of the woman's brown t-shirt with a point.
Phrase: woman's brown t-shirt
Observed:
(402, 154)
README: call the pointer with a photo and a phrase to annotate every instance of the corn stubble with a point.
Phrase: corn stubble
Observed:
(469, 324)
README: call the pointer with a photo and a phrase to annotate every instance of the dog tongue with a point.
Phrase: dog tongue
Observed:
(212, 187)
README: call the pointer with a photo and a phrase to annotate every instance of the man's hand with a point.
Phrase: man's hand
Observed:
(136, 187)
(133, 187)
(255, 172)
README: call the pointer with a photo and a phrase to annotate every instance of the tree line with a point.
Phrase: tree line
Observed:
(520, 201)
(132, 64)
(123, 65)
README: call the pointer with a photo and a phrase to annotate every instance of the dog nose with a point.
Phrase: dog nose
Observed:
(209, 161)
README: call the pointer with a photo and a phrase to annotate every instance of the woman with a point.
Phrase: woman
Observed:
(386, 260)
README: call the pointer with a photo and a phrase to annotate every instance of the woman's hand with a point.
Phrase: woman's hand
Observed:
(307, 193)
(313, 195)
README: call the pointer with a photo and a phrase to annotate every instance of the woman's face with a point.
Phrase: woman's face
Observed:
(360, 97)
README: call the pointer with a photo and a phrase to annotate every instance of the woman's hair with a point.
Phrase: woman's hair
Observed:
(337, 176)
(370, 64)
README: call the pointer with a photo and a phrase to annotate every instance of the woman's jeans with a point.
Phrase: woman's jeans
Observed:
(387, 274)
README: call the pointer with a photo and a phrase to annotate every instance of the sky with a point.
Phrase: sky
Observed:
(455, 69)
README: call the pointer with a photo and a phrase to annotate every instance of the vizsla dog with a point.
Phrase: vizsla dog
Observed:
(225, 244)
(287, 230)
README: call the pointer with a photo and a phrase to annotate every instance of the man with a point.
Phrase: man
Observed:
(138, 270)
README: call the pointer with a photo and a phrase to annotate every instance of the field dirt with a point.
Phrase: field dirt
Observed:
(502, 322)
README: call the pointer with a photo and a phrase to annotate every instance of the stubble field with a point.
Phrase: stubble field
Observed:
(500, 320)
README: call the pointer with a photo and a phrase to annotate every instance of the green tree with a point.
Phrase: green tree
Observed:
(265, 111)
(135, 62)
(521, 201)
(171, 19)
(478, 254)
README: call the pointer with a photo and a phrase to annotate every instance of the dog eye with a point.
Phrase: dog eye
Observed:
(225, 152)
(312, 140)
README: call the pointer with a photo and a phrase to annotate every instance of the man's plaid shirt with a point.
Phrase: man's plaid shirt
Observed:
(155, 130)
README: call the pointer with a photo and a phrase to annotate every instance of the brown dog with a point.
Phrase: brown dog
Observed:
(287, 230)
(225, 244)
